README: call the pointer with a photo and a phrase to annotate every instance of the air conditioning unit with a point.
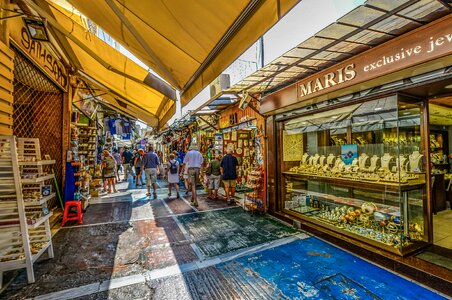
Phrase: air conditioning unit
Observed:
(220, 83)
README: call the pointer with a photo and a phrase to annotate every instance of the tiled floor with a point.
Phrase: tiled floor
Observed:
(442, 229)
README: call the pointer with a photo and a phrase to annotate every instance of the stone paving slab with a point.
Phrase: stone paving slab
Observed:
(89, 254)
(140, 291)
(106, 212)
(205, 203)
(178, 206)
(222, 231)
(308, 268)
(311, 268)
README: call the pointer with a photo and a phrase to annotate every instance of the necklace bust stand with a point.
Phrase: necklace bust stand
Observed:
(401, 164)
(322, 160)
(330, 159)
(385, 160)
(304, 158)
(373, 163)
(414, 161)
(315, 159)
(362, 161)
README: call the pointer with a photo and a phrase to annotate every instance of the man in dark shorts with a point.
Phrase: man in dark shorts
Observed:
(229, 165)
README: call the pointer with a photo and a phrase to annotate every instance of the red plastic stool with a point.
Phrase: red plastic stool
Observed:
(71, 216)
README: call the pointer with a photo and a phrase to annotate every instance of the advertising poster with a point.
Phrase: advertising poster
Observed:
(348, 153)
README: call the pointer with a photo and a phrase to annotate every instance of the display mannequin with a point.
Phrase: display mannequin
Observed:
(304, 158)
(322, 160)
(330, 159)
(415, 159)
(310, 160)
(315, 159)
(373, 163)
(362, 160)
(385, 160)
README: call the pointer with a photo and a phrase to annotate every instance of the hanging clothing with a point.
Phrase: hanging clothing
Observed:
(111, 124)
(118, 126)
(126, 127)
(106, 125)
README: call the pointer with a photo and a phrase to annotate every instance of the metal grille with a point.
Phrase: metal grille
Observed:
(38, 111)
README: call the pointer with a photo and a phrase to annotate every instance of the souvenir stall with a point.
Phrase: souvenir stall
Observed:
(82, 162)
(242, 131)
(179, 135)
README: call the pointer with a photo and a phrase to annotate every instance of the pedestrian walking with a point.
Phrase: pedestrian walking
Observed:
(193, 161)
(127, 157)
(173, 175)
(138, 162)
(118, 160)
(160, 167)
(229, 165)
(150, 165)
(213, 171)
(186, 180)
(109, 171)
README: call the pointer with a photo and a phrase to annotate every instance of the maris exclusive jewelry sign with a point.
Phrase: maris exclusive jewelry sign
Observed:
(421, 45)
(391, 60)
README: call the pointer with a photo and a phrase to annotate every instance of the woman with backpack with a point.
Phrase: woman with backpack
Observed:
(173, 174)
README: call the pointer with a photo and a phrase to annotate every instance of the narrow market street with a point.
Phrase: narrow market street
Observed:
(133, 247)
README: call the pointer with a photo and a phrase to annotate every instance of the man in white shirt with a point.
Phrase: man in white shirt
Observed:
(193, 161)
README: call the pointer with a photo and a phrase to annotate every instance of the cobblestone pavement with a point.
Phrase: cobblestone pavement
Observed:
(135, 247)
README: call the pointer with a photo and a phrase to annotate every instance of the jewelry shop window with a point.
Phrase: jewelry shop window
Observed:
(358, 171)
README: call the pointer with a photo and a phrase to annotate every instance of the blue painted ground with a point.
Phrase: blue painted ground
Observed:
(311, 268)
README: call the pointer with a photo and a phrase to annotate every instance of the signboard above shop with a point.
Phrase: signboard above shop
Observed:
(416, 47)
(39, 51)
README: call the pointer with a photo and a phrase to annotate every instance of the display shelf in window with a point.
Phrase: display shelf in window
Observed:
(373, 190)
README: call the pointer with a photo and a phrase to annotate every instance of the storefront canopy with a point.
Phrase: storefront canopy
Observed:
(124, 84)
(188, 43)
(367, 26)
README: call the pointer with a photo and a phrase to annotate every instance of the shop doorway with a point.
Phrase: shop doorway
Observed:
(38, 112)
(440, 125)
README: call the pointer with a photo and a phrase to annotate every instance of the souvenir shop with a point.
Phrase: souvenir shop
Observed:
(369, 166)
(94, 127)
(242, 132)
(178, 136)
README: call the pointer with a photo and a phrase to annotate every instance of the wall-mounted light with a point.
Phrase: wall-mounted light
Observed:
(36, 29)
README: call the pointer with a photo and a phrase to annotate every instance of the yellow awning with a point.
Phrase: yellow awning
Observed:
(188, 43)
(128, 85)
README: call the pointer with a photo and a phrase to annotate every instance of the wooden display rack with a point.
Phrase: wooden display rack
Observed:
(254, 200)
(22, 243)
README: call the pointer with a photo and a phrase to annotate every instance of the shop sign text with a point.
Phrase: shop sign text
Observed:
(328, 80)
(44, 58)
(409, 53)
